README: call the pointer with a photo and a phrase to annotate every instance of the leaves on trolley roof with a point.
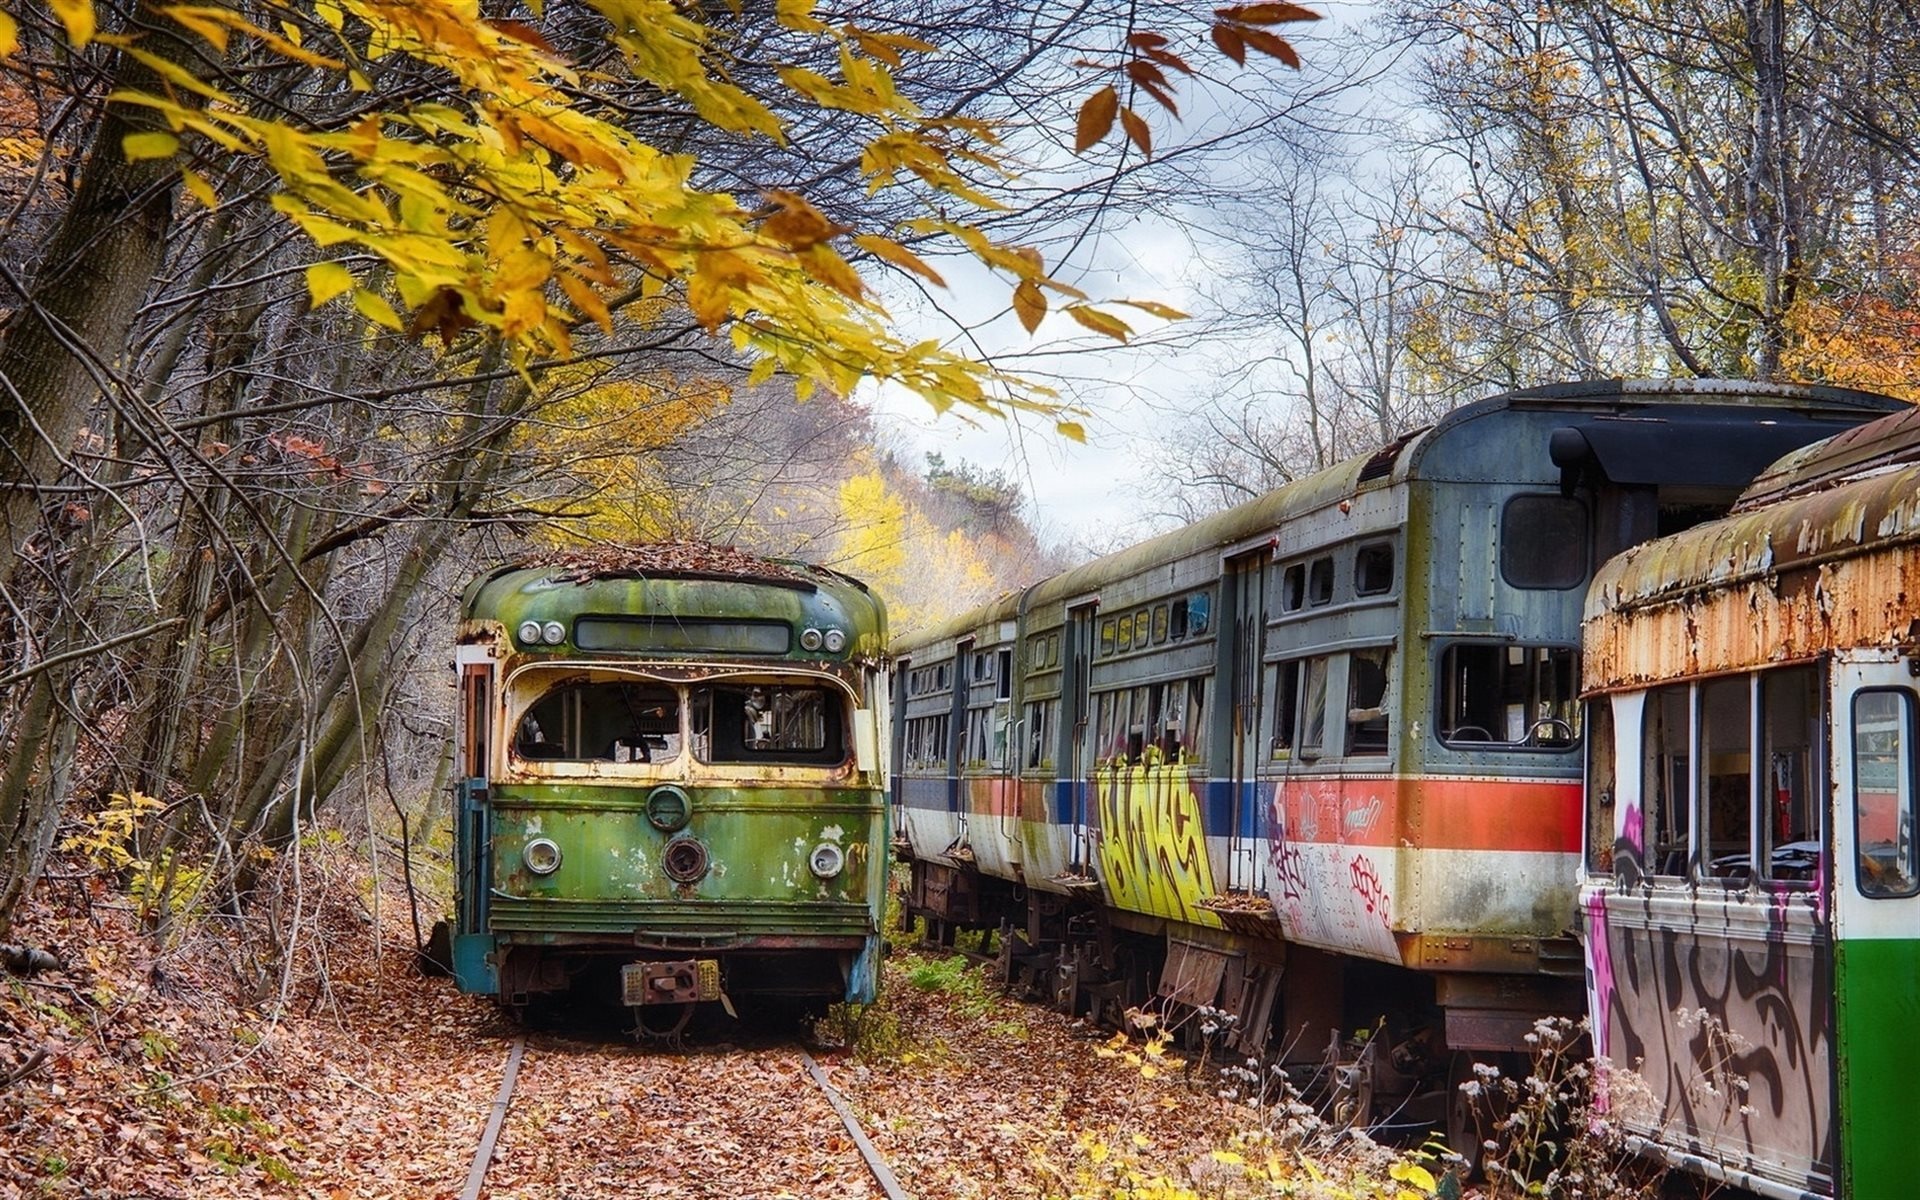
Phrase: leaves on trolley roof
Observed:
(668, 559)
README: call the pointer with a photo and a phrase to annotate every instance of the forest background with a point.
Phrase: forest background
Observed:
(312, 308)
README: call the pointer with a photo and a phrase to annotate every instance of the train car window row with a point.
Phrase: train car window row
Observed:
(1144, 628)
(1756, 813)
(629, 722)
(1509, 696)
(927, 742)
(1043, 651)
(1310, 582)
(1888, 859)
(1300, 692)
(1152, 724)
(929, 680)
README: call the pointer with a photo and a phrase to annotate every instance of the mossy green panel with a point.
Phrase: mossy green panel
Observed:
(1879, 990)
(758, 841)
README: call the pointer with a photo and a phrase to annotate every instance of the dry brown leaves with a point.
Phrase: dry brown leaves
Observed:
(353, 1077)
(579, 563)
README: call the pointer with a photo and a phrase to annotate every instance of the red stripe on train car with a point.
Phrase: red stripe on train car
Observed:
(1435, 812)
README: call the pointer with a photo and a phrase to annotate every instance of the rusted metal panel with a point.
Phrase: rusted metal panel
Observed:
(1838, 567)
(1193, 974)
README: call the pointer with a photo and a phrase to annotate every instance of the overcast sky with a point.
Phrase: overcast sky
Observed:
(1095, 496)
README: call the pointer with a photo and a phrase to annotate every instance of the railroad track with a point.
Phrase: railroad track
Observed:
(581, 1080)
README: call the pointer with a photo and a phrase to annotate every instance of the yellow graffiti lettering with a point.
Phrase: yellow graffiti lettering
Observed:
(1153, 856)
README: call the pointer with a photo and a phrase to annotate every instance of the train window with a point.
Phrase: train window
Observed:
(1496, 693)
(1726, 778)
(1790, 701)
(979, 731)
(1293, 588)
(1286, 708)
(1195, 730)
(1159, 624)
(621, 721)
(1883, 795)
(773, 723)
(1177, 621)
(1040, 718)
(1199, 613)
(1109, 636)
(1320, 581)
(1543, 542)
(1142, 629)
(1373, 570)
(1600, 786)
(1666, 741)
(1110, 728)
(1313, 707)
(1368, 709)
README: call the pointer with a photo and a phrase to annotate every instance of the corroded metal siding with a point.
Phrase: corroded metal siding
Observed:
(497, 604)
(1837, 568)
(759, 883)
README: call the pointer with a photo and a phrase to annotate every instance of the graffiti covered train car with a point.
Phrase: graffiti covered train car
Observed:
(671, 782)
(1751, 895)
(1312, 765)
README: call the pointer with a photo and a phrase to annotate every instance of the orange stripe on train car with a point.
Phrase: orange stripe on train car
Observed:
(1434, 812)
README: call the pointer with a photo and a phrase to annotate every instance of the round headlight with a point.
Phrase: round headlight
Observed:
(542, 856)
(554, 632)
(668, 807)
(836, 641)
(684, 860)
(530, 633)
(827, 860)
(810, 639)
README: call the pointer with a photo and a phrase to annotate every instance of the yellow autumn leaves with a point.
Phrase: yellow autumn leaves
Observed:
(503, 196)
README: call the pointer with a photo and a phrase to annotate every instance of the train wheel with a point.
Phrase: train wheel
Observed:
(1474, 1107)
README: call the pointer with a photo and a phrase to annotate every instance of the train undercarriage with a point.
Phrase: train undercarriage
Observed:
(1368, 1044)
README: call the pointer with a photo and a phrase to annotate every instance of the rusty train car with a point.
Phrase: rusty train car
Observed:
(671, 782)
(1313, 766)
(1750, 903)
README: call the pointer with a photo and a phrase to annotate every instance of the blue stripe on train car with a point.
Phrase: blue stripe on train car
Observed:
(1221, 817)
(928, 792)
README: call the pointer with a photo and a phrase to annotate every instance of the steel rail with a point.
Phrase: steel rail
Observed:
(477, 1174)
(876, 1164)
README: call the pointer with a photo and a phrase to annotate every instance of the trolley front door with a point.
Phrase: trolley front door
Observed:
(1876, 909)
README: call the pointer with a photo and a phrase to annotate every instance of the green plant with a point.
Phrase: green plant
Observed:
(871, 1031)
(957, 977)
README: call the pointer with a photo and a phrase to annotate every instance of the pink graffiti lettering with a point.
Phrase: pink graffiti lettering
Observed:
(1367, 885)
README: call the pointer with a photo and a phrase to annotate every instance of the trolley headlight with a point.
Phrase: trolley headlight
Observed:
(827, 860)
(684, 860)
(530, 633)
(542, 856)
(836, 641)
(554, 633)
(810, 639)
(668, 807)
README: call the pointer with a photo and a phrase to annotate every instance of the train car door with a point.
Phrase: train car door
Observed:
(475, 744)
(957, 742)
(1246, 577)
(1075, 796)
(1876, 919)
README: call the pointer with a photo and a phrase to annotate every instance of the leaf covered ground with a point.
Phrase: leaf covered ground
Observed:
(187, 1064)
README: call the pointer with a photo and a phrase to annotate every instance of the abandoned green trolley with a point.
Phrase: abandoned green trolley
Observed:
(670, 782)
